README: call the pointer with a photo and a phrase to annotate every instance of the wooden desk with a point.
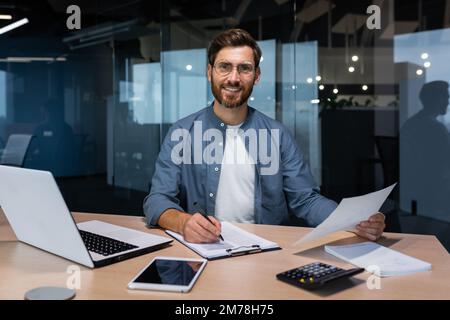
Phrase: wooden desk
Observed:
(23, 267)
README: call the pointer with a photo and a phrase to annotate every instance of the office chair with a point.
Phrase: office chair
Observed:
(388, 152)
(16, 149)
(387, 148)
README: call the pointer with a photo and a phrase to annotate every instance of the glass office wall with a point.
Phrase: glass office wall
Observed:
(357, 90)
(185, 88)
(424, 121)
(299, 99)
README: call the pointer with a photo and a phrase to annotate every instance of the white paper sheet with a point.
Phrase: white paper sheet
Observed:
(381, 261)
(235, 238)
(349, 213)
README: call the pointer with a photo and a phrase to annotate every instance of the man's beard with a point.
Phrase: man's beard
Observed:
(227, 103)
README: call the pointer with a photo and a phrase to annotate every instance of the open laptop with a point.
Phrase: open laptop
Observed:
(39, 216)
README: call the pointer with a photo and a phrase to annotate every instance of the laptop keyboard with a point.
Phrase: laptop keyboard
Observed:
(104, 245)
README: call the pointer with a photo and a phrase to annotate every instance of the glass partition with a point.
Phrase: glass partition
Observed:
(365, 100)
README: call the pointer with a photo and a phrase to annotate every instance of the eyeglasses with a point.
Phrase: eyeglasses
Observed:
(225, 68)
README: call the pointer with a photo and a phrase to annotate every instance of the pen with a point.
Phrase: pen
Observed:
(199, 208)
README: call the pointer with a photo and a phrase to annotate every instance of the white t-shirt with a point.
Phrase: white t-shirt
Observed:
(236, 191)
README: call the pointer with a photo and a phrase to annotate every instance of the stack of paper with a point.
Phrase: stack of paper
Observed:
(381, 261)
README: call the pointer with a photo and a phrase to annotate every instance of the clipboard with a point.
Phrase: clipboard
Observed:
(255, 248)
(237, 242)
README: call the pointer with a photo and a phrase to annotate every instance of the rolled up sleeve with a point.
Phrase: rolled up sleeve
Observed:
(165, 184)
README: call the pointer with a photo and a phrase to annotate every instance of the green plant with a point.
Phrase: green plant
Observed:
(333, 104)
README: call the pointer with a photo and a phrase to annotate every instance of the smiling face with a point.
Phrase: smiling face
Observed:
(232, 90)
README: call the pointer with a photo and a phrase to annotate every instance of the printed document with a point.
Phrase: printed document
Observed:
(349, 213)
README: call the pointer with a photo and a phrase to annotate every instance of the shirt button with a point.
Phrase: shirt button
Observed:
(216, 169)
(211, 195)
(222, 124)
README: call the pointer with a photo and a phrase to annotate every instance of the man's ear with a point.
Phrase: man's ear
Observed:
(209, 72)
(257, 75)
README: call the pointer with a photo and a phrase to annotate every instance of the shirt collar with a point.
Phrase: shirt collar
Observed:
(219, 124)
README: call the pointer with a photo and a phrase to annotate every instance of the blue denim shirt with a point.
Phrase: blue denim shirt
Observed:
(289, 191)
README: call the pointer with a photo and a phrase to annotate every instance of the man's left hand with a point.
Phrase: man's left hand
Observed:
(373, 228)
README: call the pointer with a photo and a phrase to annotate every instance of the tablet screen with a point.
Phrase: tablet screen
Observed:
(169, 272)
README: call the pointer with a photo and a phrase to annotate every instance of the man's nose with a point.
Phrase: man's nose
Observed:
(234, 75)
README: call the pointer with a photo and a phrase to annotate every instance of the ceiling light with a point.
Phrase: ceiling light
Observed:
(351, 69)
(5, 17)
(309, 80)
(335, 91)
(13, 25)
(427, 64)
(35, 59)
(321, 87)
(419, 72)
(365, 87)
(355, 58)
(18, 60)
(424, 56)
(188, 67)
(318, 78)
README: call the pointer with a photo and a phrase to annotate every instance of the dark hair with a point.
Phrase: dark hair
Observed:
(233, 38)
(432, 89)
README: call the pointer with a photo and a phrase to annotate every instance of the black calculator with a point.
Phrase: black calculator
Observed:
(315, 275)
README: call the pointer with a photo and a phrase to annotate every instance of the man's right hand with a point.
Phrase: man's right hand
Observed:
(198, 229)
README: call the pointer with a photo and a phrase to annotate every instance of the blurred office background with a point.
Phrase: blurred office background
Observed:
(93, 105)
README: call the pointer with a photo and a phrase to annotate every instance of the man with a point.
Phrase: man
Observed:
(237, 191)
(425, 154)
(54, 146)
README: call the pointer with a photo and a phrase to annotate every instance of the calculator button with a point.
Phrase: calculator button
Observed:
(314, 275)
